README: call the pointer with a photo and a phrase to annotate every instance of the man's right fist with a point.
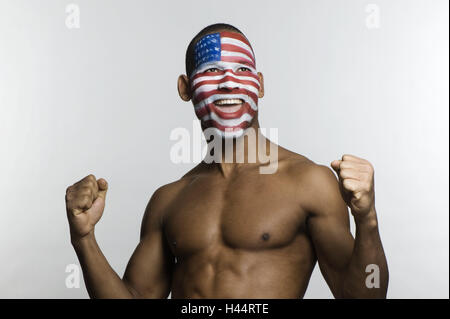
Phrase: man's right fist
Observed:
(85, 201)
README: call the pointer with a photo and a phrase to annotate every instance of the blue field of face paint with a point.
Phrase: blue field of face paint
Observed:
(207, 49)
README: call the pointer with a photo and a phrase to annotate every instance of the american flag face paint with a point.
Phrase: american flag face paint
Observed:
(225, 83)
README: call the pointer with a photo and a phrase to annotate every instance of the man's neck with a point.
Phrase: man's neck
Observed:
(242, 151)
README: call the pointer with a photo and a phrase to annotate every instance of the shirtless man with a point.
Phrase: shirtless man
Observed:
(224, 230)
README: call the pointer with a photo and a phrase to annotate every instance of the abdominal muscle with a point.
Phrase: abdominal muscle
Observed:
(224, 272)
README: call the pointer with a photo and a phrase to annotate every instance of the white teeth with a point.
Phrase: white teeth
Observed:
(228, 101)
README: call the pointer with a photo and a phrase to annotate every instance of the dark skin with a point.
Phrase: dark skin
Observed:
(226, 231)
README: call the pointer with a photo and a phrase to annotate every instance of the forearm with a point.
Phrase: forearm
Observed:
(100, 279)
(368, 250)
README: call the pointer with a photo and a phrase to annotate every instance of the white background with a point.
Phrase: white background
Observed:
(102, 99)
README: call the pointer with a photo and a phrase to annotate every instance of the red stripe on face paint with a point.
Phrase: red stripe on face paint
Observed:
(225, 79)
(237, 59)
(241, 73)
(235, 48)
(212, 123)
(234, 35)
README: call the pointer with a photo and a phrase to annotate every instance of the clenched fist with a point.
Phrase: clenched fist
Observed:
(85, 201)
(356, 182)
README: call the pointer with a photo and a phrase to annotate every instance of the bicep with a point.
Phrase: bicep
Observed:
(329, 227)
(149, 270)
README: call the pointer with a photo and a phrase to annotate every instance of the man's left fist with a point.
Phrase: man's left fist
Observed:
(356, 183)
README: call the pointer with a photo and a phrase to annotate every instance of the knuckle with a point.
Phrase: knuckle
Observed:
(368, 185)
(88, 183)
(346, 164)
(346, 183)
(86, 190)
(85, 197)
(84, 201)
(349, 185)
(69, 196)
(90, 179)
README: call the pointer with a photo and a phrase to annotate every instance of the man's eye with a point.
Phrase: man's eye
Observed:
(244, 69)
(212, 70)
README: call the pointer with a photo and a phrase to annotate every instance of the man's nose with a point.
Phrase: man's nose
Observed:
(228, 82)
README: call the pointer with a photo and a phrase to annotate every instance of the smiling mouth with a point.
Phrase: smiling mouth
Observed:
(229, 105)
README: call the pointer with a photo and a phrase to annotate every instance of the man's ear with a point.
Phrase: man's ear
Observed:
(261, 85)
(183, 88)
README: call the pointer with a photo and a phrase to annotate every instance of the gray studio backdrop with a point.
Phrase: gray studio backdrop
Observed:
(368, 78)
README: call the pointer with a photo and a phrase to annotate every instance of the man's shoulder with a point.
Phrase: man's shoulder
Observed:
(308, 175)
(167, 193)
(159, 203)
(316, 184)
(298, 165)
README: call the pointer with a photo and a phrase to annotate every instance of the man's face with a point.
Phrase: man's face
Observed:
(225, 83)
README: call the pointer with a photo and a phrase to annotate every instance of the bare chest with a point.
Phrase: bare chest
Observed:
(246, 213)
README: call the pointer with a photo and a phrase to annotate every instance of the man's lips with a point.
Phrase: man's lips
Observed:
(228, 105)
(228, 109)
